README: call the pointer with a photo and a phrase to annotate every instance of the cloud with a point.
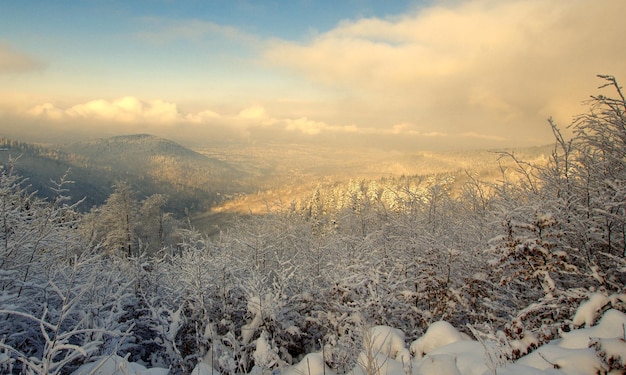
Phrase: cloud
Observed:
(312, 127)
(256, 113)
(482, 136)
(202, 116)
(125, 115)
(469, 73)
(128, 115)
(131, 110)
(460, 40)
(126, 109)
(489, 69)
(404, 128)
(13, 61)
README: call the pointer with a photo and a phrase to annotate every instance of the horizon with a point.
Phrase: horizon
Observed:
(203, 147)
(395, 76)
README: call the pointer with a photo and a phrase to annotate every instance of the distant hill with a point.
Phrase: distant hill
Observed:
(149, 164)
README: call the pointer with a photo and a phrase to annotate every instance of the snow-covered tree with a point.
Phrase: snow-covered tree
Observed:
(61, 304)
(563, 223)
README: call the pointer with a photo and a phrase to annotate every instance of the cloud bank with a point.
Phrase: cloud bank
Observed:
(485, 66)
(129, 115)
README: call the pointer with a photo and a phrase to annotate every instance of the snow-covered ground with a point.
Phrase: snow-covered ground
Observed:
(598, 348)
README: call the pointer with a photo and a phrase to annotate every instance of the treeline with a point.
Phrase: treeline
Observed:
(512, 258)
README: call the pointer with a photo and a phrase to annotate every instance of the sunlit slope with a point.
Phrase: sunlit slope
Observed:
(286, 174)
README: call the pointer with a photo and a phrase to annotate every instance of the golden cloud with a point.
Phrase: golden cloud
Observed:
(492, 68)
(135, 113)
(307, 126)
(127, 109)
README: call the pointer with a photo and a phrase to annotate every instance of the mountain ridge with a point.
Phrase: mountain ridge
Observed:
(148, 163)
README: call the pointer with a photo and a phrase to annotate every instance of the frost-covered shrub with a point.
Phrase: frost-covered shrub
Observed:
(75, 312)
(562, 224)
(62, 302)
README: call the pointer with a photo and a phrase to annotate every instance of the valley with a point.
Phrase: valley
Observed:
(215, 184)
(281, 176)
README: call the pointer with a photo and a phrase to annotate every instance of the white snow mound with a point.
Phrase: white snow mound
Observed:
(203, 368)
(378, 364)
(311, 364)
(607, 328)
(569, 361)
(438, 334)
(587, 311)
(116, 365)
(440, 364)
(385, 340)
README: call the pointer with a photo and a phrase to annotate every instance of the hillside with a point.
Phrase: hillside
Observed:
(39, 165)
(149, 164)
(154, 164)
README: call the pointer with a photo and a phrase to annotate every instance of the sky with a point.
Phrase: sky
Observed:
(395, 75)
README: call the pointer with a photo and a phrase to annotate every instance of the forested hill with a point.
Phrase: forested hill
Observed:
(161, 161)
(39, 165)
(149, 164)
(143, 153)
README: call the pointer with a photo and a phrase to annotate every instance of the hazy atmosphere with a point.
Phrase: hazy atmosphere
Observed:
(399, 75)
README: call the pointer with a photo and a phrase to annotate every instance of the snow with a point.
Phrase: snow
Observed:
(469, 355)
(441, 364)
(254, 307)
(587, 311)
(116, 365)
(385, 340)
(617, 298)
(442, 350)
(570, 361)
(377, 364)
(311, 364)
(203, 368)
(572, 354)
(438, 334)
(609, 326)
(525, 343)
(611, 350)
(264, 355)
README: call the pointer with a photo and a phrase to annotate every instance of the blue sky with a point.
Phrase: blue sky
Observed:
(394, 74)
(283, 19)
